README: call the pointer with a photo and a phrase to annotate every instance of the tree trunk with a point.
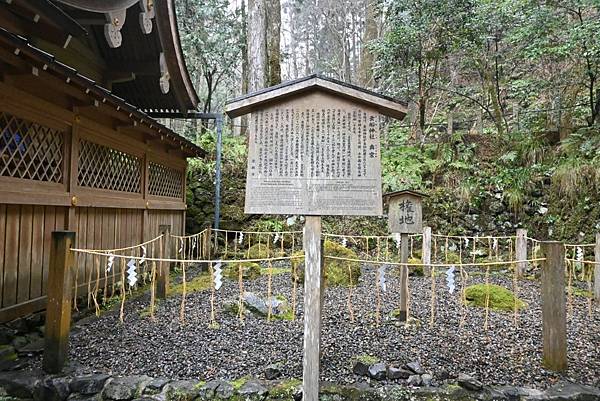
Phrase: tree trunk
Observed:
(257, 45)
(367, 60)
(273, 41)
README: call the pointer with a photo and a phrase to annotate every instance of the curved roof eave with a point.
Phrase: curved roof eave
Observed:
(166, 22)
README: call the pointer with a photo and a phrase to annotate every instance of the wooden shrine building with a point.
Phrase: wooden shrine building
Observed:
(79, 81)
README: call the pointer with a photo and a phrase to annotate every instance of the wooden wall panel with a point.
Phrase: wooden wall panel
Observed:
(11, 255)
(2, 247)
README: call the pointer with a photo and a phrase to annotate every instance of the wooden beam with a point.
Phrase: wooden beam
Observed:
(58, 312)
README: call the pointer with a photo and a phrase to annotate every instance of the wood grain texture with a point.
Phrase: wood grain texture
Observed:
(521, 251)
(426, 250)
(58, 314)
(403, 277)
(554, 313)
(313, 283)
(597, 269)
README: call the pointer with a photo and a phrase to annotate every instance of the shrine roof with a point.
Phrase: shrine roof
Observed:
(405, 192)
(256, 100)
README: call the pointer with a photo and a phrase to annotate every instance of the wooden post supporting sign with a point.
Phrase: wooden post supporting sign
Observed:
(58, 312)
(403, 312)
(162, 279)
(313, 284)
(554, 313)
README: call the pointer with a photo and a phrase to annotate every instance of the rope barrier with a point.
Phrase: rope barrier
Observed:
(433, 264)
(122, 249)
(151, 259)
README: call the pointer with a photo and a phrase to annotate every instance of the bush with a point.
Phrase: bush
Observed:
(336, 272)
(501, 299)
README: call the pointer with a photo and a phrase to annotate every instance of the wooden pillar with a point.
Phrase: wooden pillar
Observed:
(554, 313)
(403, 312)
(597, 269)
(58, 312)
(521, 251)
(162, 278)
(426, 250)
(313, 283)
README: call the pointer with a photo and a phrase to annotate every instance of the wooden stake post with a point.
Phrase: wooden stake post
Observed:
(162, 278)
(521, 251)
(426, 250)
(405, 216)
(58, 312)
(314, 150)
(554, 313)
(597, 269)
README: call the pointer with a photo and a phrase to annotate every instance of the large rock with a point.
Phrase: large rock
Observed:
(260, 306)
(415, 381)
(273, 371)
(181, 390)
(572, 392)
(214, 389)
(156, 385)
(469, 383)
(427, 379)
(51, 389)
(394, 373)
(378, 371)
(253, 390)
(19, 384)
(89, 384)
(124, 388)
(415, 367)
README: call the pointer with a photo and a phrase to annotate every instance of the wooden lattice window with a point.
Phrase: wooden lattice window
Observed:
(30, 151)
(165, 181)
(102, 167)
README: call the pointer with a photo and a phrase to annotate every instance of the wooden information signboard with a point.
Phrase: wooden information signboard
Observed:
(317, 155)
(313, 149)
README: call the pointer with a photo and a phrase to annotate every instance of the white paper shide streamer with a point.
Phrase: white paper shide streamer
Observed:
(111, 261)
(218, 282)
(131, 273)
(382, 282)
(450, 279)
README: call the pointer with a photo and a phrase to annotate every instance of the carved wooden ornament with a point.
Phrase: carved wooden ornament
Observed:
(112, 29)
(146, 15)
(164, 75)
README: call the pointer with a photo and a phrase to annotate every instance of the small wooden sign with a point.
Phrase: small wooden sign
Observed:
(405, 213)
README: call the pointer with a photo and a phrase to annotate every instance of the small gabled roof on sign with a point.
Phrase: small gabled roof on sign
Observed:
(259, 99)
(405, 192)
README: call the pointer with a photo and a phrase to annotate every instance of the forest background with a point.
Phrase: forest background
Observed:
(503, 130)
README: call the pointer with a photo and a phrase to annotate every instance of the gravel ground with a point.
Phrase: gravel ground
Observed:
(505, 354)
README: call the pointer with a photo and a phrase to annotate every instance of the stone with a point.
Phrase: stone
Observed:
(124, 388)
(19, 384)
(415, 381)
(520, 393)
(35, 347)
(394, 373)
(260, 306)
(7, 353)
(225, 391)
(378, 371)
(415, 367)
(360, 368)
(81, 397)
(253, 390)
(469, 383)
(209, 390)
(572, 392)
(51, 389)
(427, 379)
(273, 372)
(155, 386)
(6, 335)
(88, 384)
(181, 390)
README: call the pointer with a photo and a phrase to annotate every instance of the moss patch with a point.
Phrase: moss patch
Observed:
(501, 299)
(366, 359)
(250, 270)
(285, 389)
(259, 251)
(337, 272)
(578, 292)
(201, 282)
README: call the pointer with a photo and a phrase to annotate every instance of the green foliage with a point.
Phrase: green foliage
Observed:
(337, 272)
(500, 298)
(259, 251)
